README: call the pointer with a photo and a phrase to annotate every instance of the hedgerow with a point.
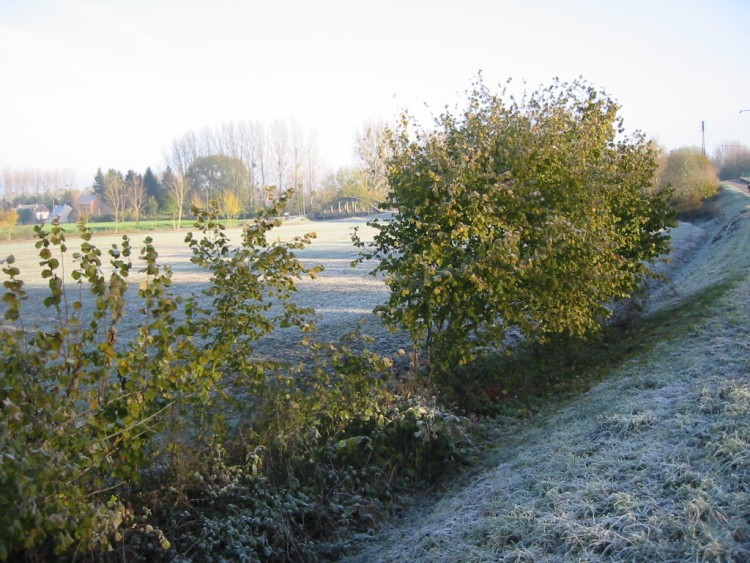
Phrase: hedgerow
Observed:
(183, 442)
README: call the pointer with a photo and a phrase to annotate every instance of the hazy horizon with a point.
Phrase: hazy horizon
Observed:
(109, 84)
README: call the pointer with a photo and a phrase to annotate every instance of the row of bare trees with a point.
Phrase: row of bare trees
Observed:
(732, 160)
(28, 181)
(278, 156)
(136, 195)
(124, 194)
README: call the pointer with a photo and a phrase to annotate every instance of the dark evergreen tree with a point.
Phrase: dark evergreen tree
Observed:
(154, 187)
(98, 184)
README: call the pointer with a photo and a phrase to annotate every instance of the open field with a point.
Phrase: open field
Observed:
(24, 232)
(342, 296)
(653, 464)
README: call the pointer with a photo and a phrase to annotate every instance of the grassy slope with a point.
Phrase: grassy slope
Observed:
(652, 464)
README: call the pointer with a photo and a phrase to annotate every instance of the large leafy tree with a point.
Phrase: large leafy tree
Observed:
(527, 214)
(212, 175)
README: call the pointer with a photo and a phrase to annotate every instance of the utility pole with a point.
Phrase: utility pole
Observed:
(703, 138)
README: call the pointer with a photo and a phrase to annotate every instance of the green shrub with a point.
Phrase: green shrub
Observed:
(531, 216)
(84, 415)
(227, 455)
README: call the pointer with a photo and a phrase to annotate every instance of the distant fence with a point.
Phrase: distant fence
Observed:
(348, 207)
(327, 215)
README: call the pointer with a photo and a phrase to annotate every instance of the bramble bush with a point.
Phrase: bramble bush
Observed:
(226, 454)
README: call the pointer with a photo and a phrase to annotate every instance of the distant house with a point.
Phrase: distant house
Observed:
(36, 213)
(90, 205)
(61, 213)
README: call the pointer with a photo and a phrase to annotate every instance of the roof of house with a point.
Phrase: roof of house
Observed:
(62, 212)
(87, 199)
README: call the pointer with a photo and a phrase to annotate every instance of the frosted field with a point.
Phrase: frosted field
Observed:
(343, 297)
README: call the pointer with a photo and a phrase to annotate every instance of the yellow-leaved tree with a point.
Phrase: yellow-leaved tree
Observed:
(8, 220)
(691, 178)
(532, 215)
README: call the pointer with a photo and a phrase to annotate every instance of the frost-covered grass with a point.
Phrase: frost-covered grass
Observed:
(653, 464)
(343, 297)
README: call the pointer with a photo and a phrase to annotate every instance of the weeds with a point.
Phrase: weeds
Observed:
(227, 455)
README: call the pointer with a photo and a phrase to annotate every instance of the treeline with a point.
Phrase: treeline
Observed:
(243, 165)
(732, 160)
(253, 162)
(31, 181)
(240, 166)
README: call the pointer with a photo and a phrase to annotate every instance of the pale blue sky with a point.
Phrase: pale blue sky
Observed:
(105, 83)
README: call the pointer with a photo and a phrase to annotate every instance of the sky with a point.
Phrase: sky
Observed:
(87, 84)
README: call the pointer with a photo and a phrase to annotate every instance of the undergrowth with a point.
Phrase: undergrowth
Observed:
(184, 443)
(531, 376)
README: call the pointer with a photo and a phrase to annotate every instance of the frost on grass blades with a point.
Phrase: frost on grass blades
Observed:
(650, 465)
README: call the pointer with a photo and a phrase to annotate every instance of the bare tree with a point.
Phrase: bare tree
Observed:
(279, 145)
(272, 155)
(244, 141)
(10, 190)
(116, 194)
(371, 149)
(296, 163)
(178, 187)
(258, 159)
(207, 142)
(732, 160)
(229, 140)
(54, 181)
(313, 165)
(36, 181)
(136, 193)
(183, 152)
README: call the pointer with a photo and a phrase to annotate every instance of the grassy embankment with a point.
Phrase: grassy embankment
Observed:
(651, 464)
